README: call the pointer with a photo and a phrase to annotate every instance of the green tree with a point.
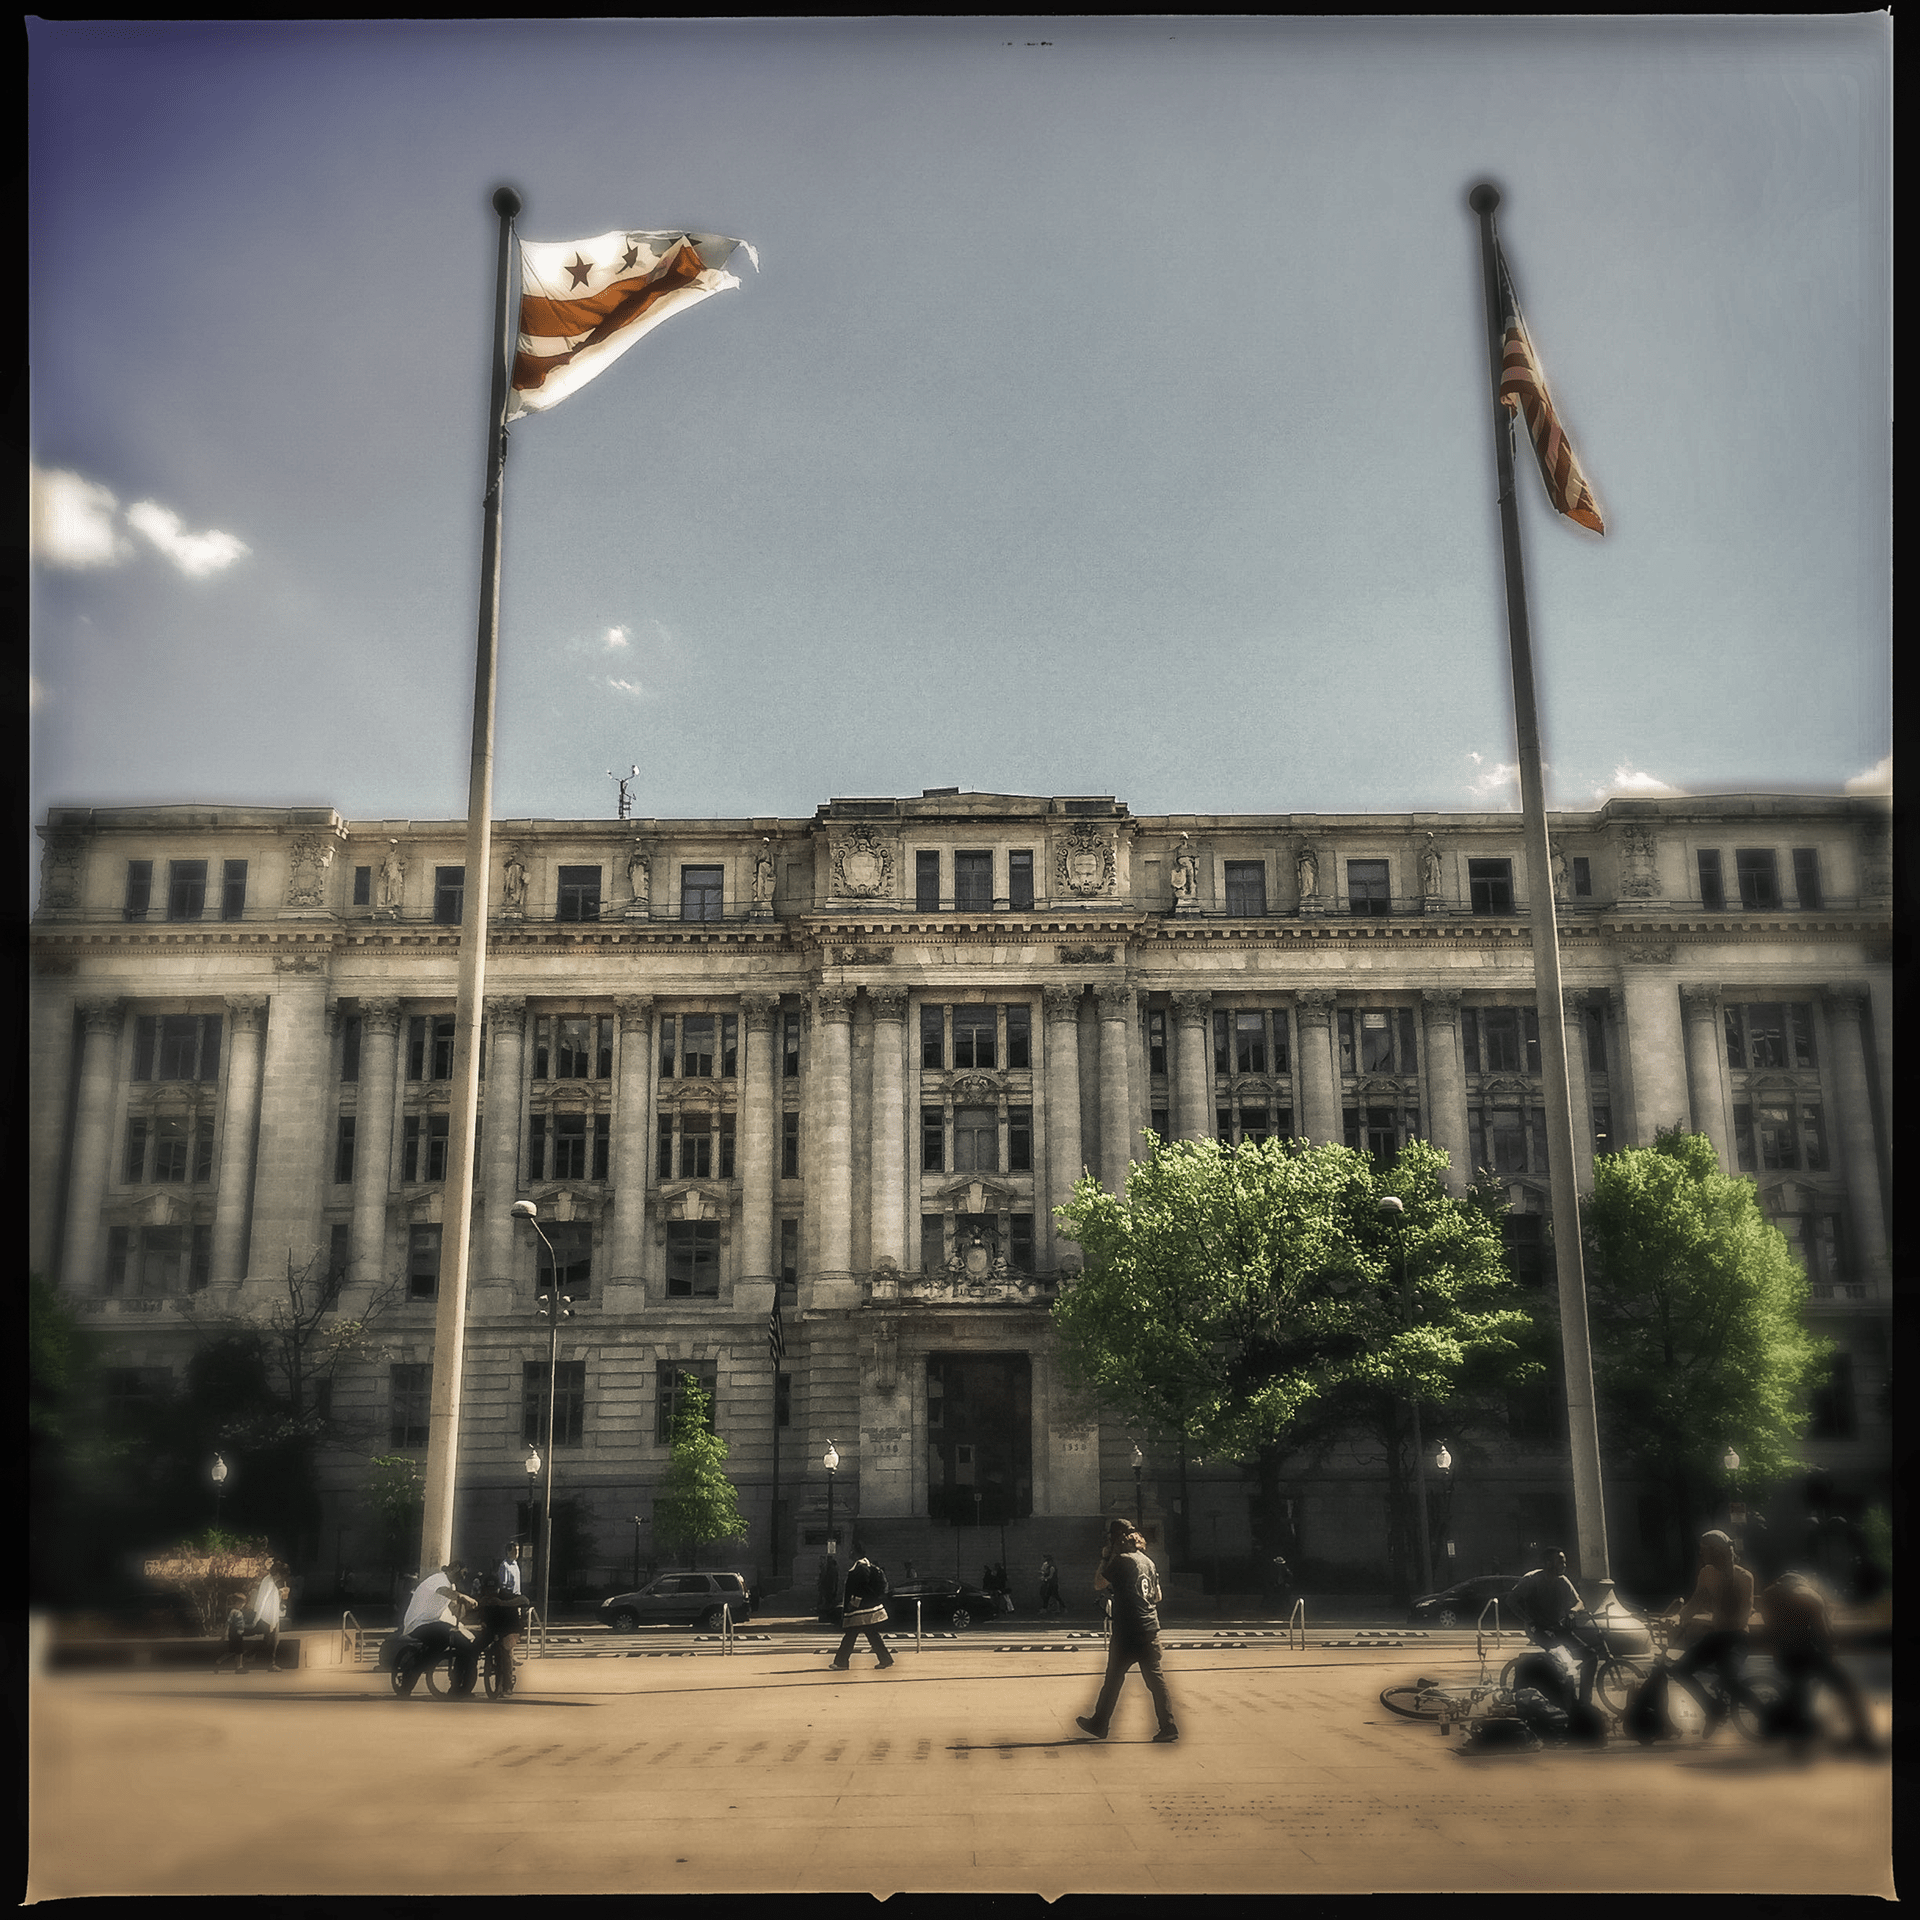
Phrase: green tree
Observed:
(397, 1497)
(1695, 1308)
(1251, 1301)
(212, 1572)
(696, 1503)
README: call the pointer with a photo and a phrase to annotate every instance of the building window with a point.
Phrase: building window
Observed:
(1780, 1134)
(1377, 1040)
(149, 1262)
(926, 882)
(233, 890)
(1814, 1239)
(696, 1146)
(933, 1037)
(430, 1046)
(701, 890)
(789, 1146)
(1582, 876)
(790, 1046)
(343, 1153)
(974, 1036)
(410, 1395)
(1380, 1131)
(1835, 1413)
(1244, 1036)
(573, 1046)
(1367, 889)
(1602, 1130)
(1595, 1023)
(790, 1253)
(432, 1128)
(933, 1242)
(449, 895)
(339, 1252)
(1161, 1121)
(973, 882)
(933, 1153)
(363, 886)
(175, 1148)
(351, 1030)
(976, 1140)
(1806, 876)
(1500, 1039)
(668, 1378)
(1526, 1241)
(176, 1046)
(1020, 880)
(423, 1263)
(1020, 1037)
(1019, 1139)
(1712, 893)
(186, 889)
(663, 1166)
(131, 1390)
(139, 889)
(1156, 1042)
(1490, 886)
(568, 1146)
(693, 1259)
(569, 1402)
(579, 893)
(1769, 1035)
(783, 1400)
(1509, 1140)
(1246, 888)
(1759, 885)
(1020, 1242)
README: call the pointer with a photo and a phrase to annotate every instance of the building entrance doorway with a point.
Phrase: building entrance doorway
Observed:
(979, 1438)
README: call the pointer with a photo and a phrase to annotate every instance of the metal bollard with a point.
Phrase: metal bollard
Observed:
(916, 1624)
(1297, 1623)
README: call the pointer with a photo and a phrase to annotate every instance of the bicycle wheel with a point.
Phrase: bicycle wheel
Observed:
(1411, 1703)
(402, 1674)
(1615, 1681)
(1756, 1712)
(439, 1672)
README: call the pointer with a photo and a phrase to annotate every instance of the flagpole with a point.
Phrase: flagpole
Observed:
(1589, 1505)
(450, 1315)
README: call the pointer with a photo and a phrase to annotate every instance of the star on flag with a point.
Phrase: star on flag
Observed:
(583, 303)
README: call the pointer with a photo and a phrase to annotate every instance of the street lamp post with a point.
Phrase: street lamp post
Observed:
(1443, 1465)
(1730, 1465)
(638, 1523)
(532, 1464)
(1394, 1211)
(552, 1306)
(219, 1473)
(1139, 1512)
(831, 1461)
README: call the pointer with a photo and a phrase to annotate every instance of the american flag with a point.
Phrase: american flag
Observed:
(776, 1335)
(1523, 390)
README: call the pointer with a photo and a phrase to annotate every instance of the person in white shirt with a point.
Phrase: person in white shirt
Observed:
(261, 1620)
(432, 1618)
(507, 1573)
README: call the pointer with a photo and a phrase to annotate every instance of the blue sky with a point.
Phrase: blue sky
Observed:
(1109, 413)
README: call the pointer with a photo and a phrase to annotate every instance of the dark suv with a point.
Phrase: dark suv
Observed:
(680, 1599)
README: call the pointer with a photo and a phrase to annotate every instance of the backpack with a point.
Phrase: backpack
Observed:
(1545, 1719)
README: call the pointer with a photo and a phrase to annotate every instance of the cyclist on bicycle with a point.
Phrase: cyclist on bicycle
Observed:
(501, 1616)
(432, 1618)
(1724, 1593)
(1546, 1601)
(1801, 1629)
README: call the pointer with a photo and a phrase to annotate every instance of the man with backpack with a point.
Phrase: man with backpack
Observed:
(1128, 1575)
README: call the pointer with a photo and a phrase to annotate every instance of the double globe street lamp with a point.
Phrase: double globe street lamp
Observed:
(552, 1306)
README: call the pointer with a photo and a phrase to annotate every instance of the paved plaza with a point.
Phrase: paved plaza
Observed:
(959, 1770)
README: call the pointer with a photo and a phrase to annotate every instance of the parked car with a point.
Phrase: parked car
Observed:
(680, 1599)
(1460, 1605)
(944, 1603)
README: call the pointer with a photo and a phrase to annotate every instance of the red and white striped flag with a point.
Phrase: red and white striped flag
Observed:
(1523, 390)
(585, 302)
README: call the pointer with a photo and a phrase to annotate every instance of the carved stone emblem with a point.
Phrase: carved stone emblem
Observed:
(1638, 847)
(1086, 860)
(862, 864)
(1086, 956)
(311, 856)
(60, 870)
(863, 956)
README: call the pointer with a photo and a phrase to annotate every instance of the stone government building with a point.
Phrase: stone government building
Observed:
(855, 1061)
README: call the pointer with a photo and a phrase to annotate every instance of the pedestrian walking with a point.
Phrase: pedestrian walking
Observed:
(864, 1610)
(507, 1574)
(1050, 1584)
(1128, 1577)
(261, 1618)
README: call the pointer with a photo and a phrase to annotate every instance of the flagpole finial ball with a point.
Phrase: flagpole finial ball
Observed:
(1484, 198)
(506, 202)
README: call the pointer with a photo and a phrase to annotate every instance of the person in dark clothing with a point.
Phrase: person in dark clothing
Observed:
(1050, 1585)
(1801, 1629)
(1547, 1601)
(864, 1610)
(1128, 1575)
(501, 1618)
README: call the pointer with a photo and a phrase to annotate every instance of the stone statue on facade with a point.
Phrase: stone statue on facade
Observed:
(1186, 878)
(1562, 885)
(1306, 872)
(513, 885)
(639, 881)
(1430, 870)
(763, 880)
(393, 877)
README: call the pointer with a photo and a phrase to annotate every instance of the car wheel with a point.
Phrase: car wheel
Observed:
(711, 1618)
(961, 1619)
(1446, 1617)
(625, 1621)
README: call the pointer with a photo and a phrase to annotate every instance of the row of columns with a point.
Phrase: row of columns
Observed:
(1674, 1064)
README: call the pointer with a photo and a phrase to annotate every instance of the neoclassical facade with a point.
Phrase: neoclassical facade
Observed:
(852, 1063)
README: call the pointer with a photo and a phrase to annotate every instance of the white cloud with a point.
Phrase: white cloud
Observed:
(195, 554)
(72, 521)
(1635, 783)
(1494, 784)
(629, 686)
(1876, 779)
(618, 639)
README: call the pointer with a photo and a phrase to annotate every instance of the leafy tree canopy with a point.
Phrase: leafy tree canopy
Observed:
(1229, 1293)
(696, 1503)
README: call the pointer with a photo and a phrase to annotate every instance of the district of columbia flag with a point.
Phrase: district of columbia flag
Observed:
(776, 1336)
(585, 302)
(1523, 390)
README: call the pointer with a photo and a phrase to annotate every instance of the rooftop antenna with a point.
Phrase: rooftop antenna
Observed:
(626, 803)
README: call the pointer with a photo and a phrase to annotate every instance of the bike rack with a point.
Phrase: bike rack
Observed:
(359, 1644)
(1480, 1634)
(1297, 1623)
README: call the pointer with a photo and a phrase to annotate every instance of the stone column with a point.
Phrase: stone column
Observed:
(1706, 1084)
(291, 1147)
(1116, 1099)
(1852, 1132)
(1319, 1083)
(500, 1137)
(1193, 1066)
(246, 1023)
(1447, 1083)
(1654, 1046)
(632, 1152)
(93, 1140)
(758, 1258)
(1579, 1094)
(834, 1149)
(1064, 1158)
(888, 1134)
(373, 1139)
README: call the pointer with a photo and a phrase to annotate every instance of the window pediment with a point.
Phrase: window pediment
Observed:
(693, 1200)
